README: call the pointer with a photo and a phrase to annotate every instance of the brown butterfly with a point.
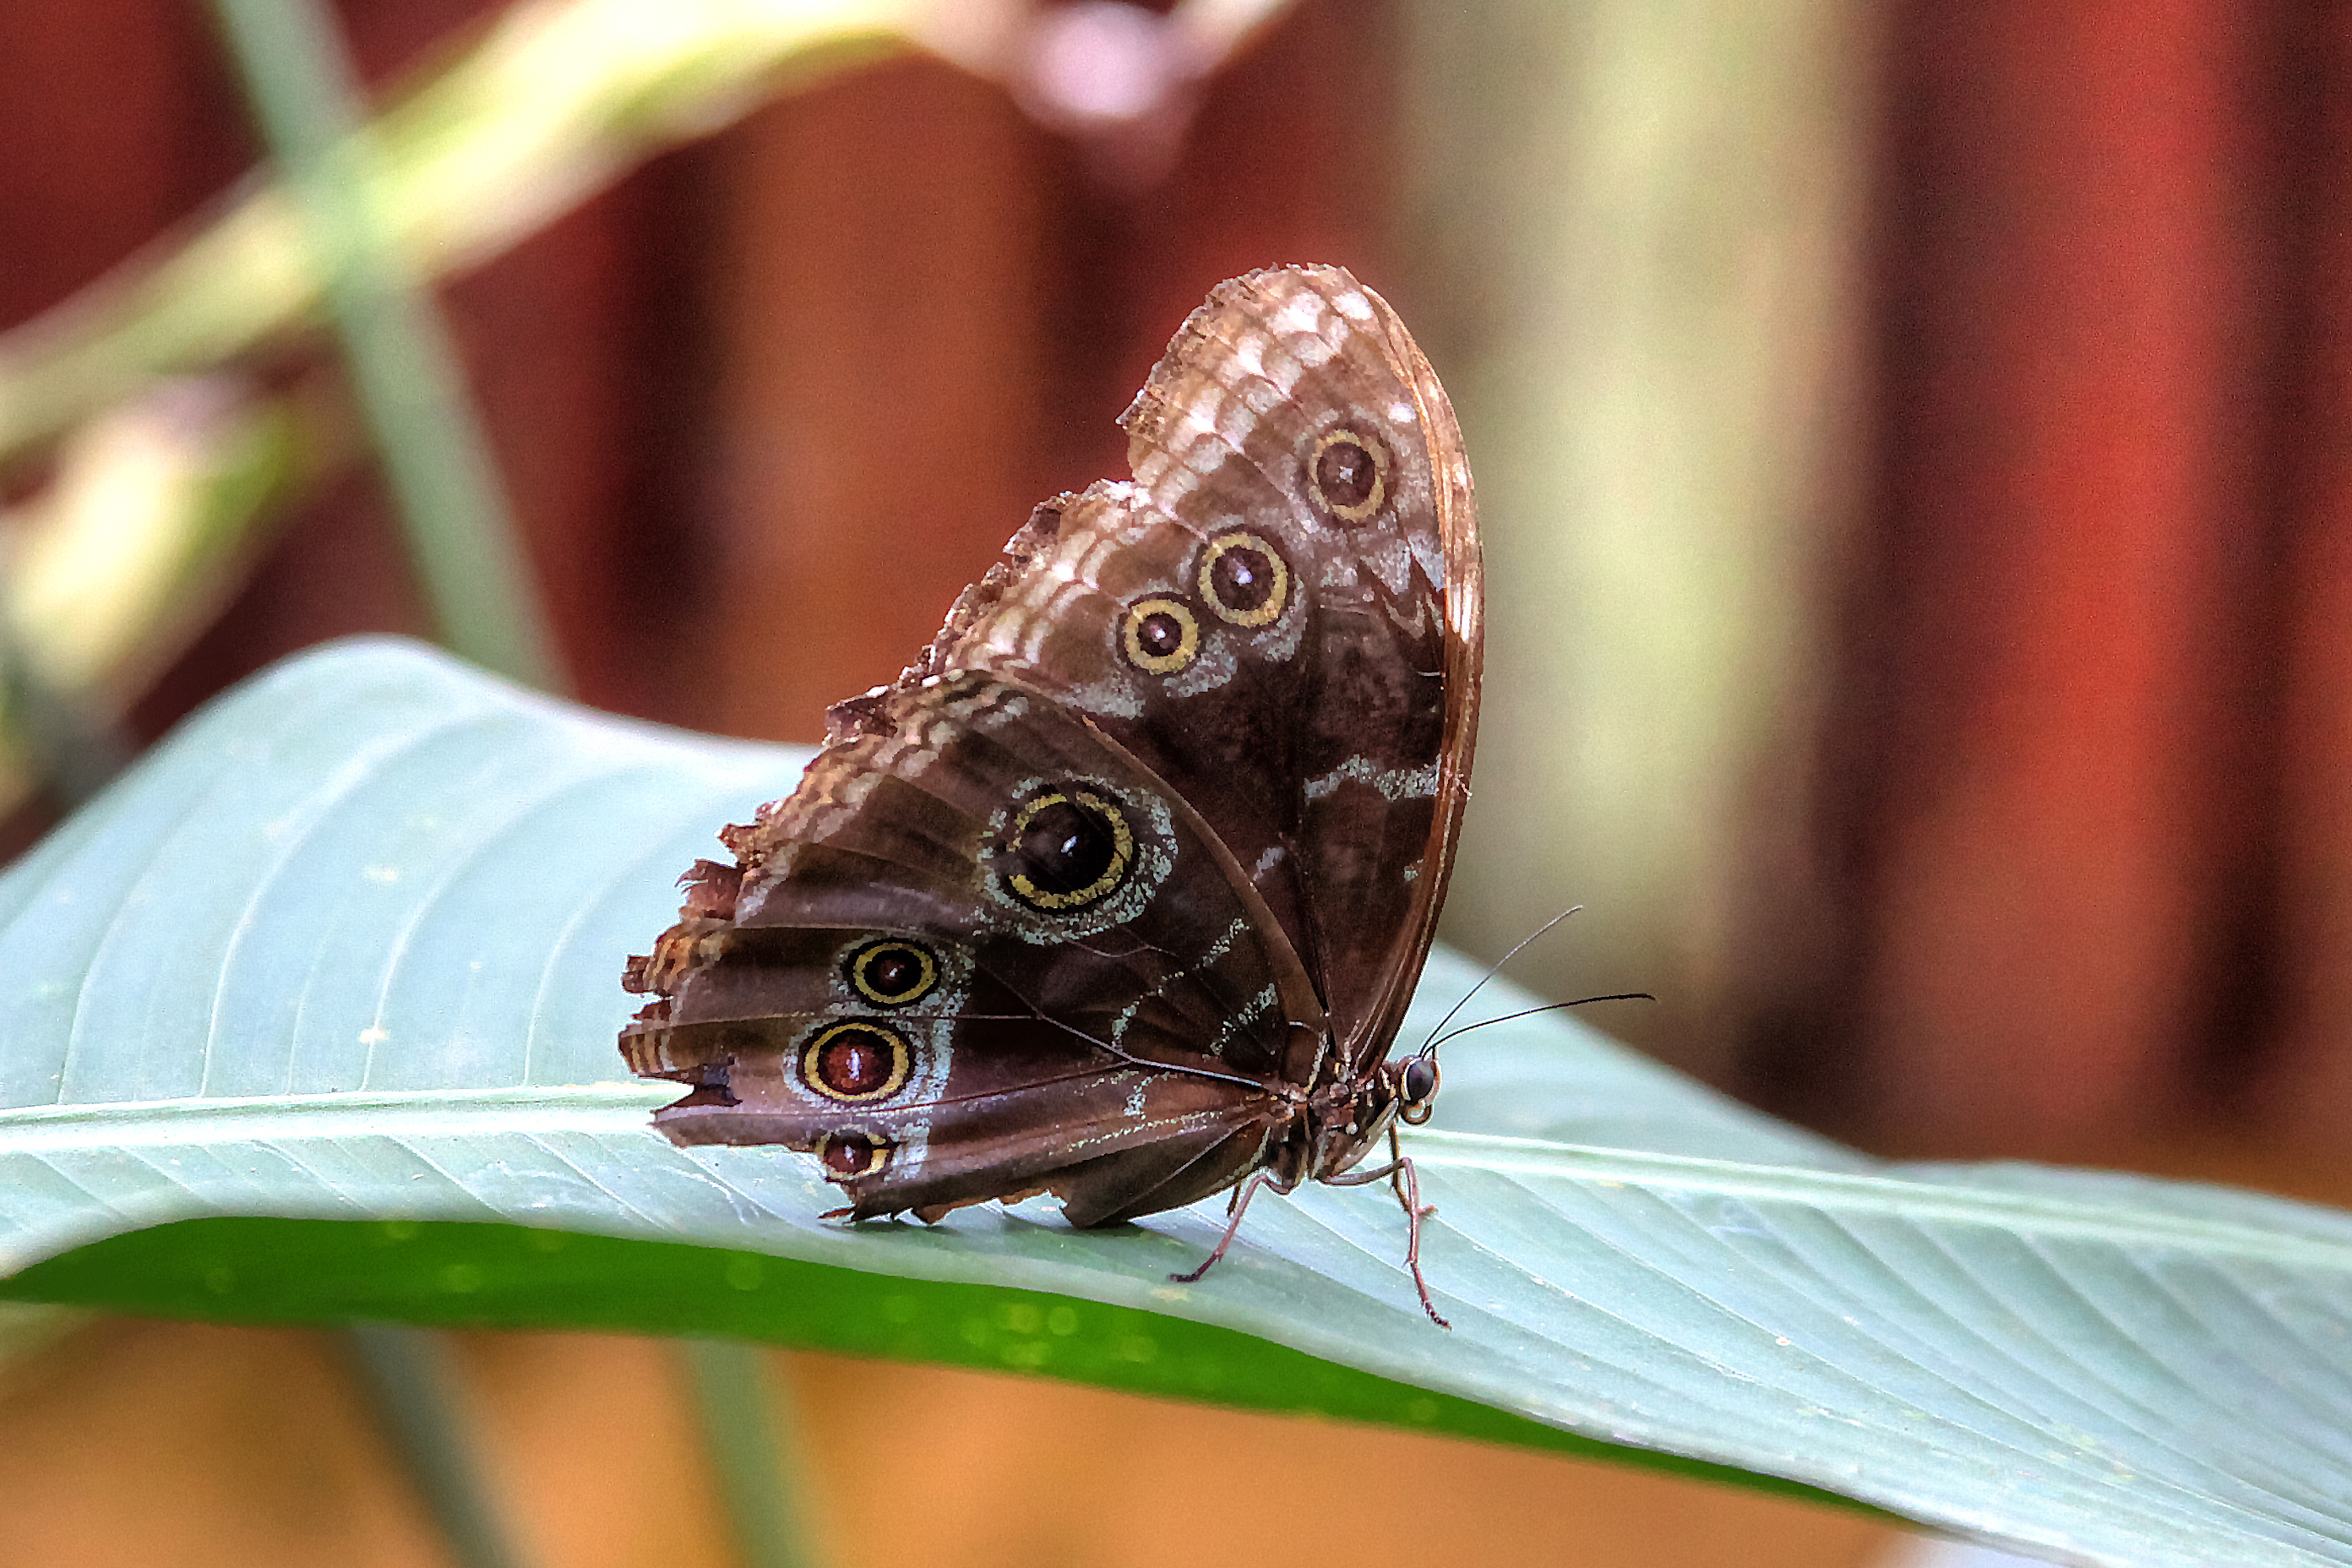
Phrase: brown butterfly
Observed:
(1121, 890)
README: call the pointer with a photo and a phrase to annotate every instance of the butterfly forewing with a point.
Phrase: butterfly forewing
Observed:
(1279, 616)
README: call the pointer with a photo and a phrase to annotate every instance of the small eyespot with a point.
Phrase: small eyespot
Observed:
(892, 972)
(1244, 579)
(856, 1061)
(1067, 848)
(846, 1156)
(1348, 475)
(1159, 634)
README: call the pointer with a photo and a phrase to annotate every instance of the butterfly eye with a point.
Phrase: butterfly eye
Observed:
(1067, 849)
(891, 974)
(1348, 475)
(856, 1061)
(1160, 635)
(1416, 1088)
(1242, 578)
(846, 1156)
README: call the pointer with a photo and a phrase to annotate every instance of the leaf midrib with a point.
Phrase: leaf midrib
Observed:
(601, 1108)
(619, 1109)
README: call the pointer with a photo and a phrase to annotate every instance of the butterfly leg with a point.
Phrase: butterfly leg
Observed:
(1400, 1173)
(1238, 1207)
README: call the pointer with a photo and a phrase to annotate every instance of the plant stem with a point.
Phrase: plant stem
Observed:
(72, 748)
(403, 368)
(408, 1373)
(749, 1458)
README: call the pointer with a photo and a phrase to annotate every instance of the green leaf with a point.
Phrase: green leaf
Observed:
(312, 1018)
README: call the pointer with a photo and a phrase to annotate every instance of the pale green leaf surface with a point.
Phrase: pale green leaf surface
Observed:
(347, 948)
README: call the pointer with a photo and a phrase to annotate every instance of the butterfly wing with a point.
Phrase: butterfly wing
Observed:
(1084, 901)
(980, 952)
(1281, 617)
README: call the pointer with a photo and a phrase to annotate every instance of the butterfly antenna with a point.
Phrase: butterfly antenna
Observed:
(1493, 970)
(1531, 1012)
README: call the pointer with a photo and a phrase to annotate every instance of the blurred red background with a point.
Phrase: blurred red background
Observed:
(2084, 814)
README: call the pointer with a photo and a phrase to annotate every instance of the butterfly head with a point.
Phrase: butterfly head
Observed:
(1350, 1118)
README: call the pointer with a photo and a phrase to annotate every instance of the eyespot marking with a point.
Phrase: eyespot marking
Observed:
(1159, 634)
(891, 972)
(1067, 847)
(846, 1156)
(1244, 579)
(1348, 475)
(857, 1062)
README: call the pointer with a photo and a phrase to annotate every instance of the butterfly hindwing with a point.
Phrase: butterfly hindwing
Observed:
(887, 981)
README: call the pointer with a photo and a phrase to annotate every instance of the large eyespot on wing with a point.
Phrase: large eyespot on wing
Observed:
(1069, 854)
(1063, 848)
(856, 1060)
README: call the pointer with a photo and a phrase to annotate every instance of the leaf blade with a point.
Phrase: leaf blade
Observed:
(346, 951)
